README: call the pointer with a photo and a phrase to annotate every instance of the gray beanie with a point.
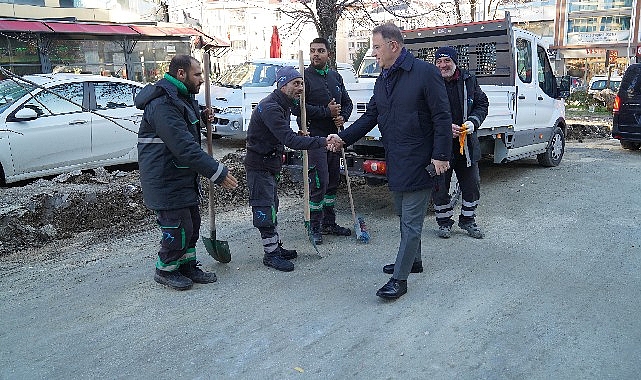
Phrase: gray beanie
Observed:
(285, 75)
(446, 51)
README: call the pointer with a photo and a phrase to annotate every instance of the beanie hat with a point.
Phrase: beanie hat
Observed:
(285, 75)
(446, 51)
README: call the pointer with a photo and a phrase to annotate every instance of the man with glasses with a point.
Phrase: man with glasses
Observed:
(411, 109)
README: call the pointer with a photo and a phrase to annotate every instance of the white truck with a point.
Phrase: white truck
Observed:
(527, 112)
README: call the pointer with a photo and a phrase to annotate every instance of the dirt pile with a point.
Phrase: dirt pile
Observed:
(43, 211)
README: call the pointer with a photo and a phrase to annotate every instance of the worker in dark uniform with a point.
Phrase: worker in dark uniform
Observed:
(267, 134)
(328, 107)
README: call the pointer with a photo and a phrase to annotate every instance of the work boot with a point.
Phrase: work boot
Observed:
(444, 231)
(173, 279)
(276, 261)
(472, 229)
(286, 254)
(191, 270)
(335, 229)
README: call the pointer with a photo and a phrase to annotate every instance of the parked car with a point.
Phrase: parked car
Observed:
(600, 82)
(626, 123)
(54, 123)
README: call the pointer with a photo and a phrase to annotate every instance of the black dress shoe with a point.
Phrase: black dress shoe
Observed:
(417, 267)
(393, 289)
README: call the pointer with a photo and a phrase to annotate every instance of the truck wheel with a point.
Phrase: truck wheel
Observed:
(554, 152)
(630, 145)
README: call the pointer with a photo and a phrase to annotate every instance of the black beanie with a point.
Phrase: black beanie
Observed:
(446, 51)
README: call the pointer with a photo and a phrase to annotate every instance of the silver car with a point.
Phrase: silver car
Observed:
(54, 123)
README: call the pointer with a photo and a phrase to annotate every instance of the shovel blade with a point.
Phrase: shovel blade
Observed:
(218, 249)
(310, 235)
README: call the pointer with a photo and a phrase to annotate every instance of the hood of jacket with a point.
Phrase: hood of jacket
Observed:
(153, 91)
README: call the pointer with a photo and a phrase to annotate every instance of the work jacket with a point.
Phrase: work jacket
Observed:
(169, 153)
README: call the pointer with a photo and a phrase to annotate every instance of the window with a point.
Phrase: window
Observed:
(58, 100)
(524, 60)
(547, 82)
(111, 95)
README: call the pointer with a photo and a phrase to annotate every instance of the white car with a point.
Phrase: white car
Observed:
(55, 123)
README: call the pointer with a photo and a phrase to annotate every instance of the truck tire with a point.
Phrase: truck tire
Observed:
(554, 152)
(630, 145)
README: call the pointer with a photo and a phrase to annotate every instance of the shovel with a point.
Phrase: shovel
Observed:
(303, 126)
(360, 229)
(218, 249)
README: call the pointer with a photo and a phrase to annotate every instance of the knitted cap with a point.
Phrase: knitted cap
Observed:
(446, 51)
(285, 75)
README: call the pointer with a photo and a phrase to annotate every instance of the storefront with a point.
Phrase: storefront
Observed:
(138, 52)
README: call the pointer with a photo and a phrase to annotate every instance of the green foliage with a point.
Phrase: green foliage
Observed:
(360, 54)
(581, 100)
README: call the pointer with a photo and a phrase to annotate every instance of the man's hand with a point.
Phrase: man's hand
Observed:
(334, 143)
(208, 114)
(467, 127)
(338, 121)
(441, 166)
(334, 108)
(230, 182)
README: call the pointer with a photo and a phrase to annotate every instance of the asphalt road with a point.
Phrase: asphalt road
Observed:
(552, 292)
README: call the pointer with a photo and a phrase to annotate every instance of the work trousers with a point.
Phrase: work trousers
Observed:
(470, 184)
(324, 176)
(411, 208)
(180, 229)
(263, 199)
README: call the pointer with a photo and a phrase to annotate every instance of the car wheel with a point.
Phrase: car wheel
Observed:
(630, 145)
(554, 152)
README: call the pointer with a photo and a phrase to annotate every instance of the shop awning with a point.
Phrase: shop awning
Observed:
(72, 27)
(23, 26)
(119, 30)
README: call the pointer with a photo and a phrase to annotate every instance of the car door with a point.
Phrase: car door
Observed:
(59, 137)
(526, 87)
(114, 125)
(546, 91)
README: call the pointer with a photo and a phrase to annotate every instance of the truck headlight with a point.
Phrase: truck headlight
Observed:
(235, 125)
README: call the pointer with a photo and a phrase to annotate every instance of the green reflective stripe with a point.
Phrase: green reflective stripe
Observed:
(190, 254)
(174, 265)
(313, 206)
(273, 214)
(329, 200)
(317, 180)
(150, 140)
(277, 177)
(194, 122)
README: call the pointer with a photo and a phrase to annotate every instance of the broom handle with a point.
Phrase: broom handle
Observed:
(303, 125)
(349, 186)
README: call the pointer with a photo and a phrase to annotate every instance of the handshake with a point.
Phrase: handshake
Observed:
(334, 143)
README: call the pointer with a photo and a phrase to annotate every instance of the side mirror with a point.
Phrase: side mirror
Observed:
(564, 86)
(25, 114)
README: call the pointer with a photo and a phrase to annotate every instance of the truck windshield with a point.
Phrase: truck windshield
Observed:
(10, 91)
(250, 75)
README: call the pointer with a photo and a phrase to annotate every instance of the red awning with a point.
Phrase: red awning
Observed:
(72, 27)
(148, 30)
(23, 26)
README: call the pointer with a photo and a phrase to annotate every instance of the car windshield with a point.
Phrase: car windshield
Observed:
(600, 85)
(10, 91)
(369, 68)
(249, 74)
